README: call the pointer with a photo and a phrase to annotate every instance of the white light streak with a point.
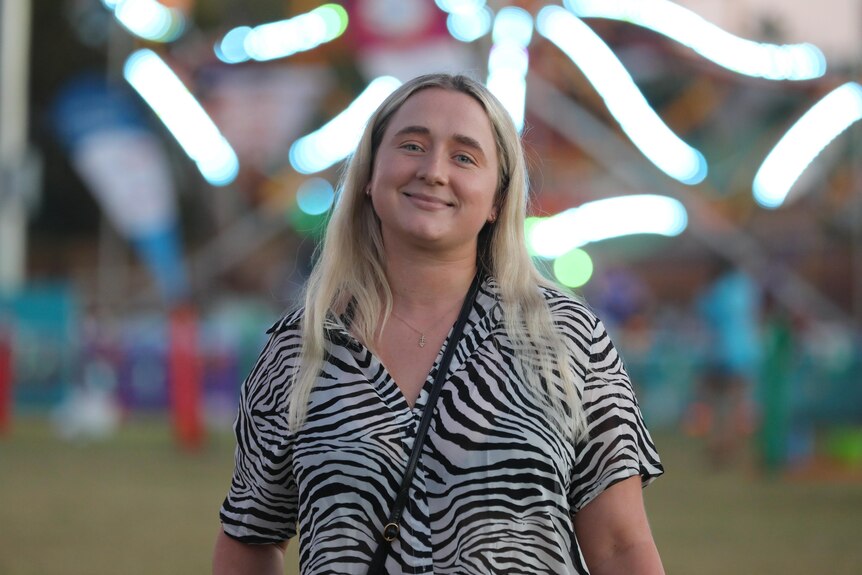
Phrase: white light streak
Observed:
(336, 139)
(183, 116)
(605, 219)
(148, 19)
(508, 61)
(469, 26)
(460, 6)
(514, 25)
(621, 95)
(770, 61)
(231, 49)
(285, 37)
(804, 141)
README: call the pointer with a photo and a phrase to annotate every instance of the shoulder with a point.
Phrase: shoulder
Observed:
(287, 332)
(291, 321)
(280, 355)
(570, 313)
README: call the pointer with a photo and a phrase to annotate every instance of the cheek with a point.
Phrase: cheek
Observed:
(487, 192)
(376, 171)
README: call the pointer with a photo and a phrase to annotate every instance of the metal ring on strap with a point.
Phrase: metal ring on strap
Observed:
(390, 531)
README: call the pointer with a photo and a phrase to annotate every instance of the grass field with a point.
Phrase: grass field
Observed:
(136, 505)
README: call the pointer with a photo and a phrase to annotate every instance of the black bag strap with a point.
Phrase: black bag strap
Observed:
(390, 530)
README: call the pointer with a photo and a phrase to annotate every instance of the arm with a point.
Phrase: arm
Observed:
(614, 535)
(232, 557)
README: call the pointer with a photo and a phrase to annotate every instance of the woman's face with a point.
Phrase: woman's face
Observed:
(435, 173)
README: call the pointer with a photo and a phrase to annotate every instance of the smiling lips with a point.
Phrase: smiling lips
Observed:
(428, 201)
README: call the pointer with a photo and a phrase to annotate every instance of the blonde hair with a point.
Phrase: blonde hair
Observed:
(350, 268)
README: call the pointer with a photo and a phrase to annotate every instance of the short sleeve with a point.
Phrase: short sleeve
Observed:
(618, 445)
(261, 506)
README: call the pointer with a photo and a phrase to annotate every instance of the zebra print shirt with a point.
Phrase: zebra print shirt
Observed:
(496, 487)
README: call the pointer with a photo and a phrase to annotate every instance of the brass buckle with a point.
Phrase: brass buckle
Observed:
(390, 532)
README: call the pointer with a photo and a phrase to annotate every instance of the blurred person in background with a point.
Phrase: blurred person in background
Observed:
(729, 308)
(536, 453)
(780, 352)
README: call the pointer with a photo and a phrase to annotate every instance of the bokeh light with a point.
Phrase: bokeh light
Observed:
(315, 196)
(574, 268)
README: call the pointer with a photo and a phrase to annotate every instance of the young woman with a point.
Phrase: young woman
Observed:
(536, 452)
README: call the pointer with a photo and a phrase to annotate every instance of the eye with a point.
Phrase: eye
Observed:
(411, 147)
(464, 159)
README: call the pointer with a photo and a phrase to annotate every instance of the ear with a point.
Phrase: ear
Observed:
(492, 217)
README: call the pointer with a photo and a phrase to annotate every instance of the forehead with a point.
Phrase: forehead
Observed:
(445, 113)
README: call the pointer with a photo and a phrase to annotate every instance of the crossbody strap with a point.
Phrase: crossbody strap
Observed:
(390, 530)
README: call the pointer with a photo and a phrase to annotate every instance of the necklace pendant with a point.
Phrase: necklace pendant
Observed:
(421, 340)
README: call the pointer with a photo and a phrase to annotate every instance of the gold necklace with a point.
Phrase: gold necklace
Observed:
(421, 333)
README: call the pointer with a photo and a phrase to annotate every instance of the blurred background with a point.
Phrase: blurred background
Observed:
(166, 167)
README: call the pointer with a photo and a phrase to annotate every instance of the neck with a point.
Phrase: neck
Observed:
(423, 282)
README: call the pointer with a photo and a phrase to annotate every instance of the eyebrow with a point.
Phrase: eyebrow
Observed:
(460, 138)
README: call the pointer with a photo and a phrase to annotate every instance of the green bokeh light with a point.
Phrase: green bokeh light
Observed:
(335, 17)
(574, 268)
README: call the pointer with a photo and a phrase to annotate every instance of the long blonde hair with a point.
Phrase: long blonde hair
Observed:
(350, 268)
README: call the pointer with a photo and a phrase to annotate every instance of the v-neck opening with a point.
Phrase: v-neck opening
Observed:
(379, 376)
(425, 391)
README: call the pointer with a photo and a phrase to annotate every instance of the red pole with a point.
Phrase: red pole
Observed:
(184, 371)
(6, 374)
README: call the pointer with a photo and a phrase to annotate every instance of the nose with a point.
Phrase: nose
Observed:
(432, 169)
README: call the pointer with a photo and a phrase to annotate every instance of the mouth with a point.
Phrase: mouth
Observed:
(428, 199)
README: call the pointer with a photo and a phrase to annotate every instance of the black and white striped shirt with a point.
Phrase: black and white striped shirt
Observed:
(496, 486)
